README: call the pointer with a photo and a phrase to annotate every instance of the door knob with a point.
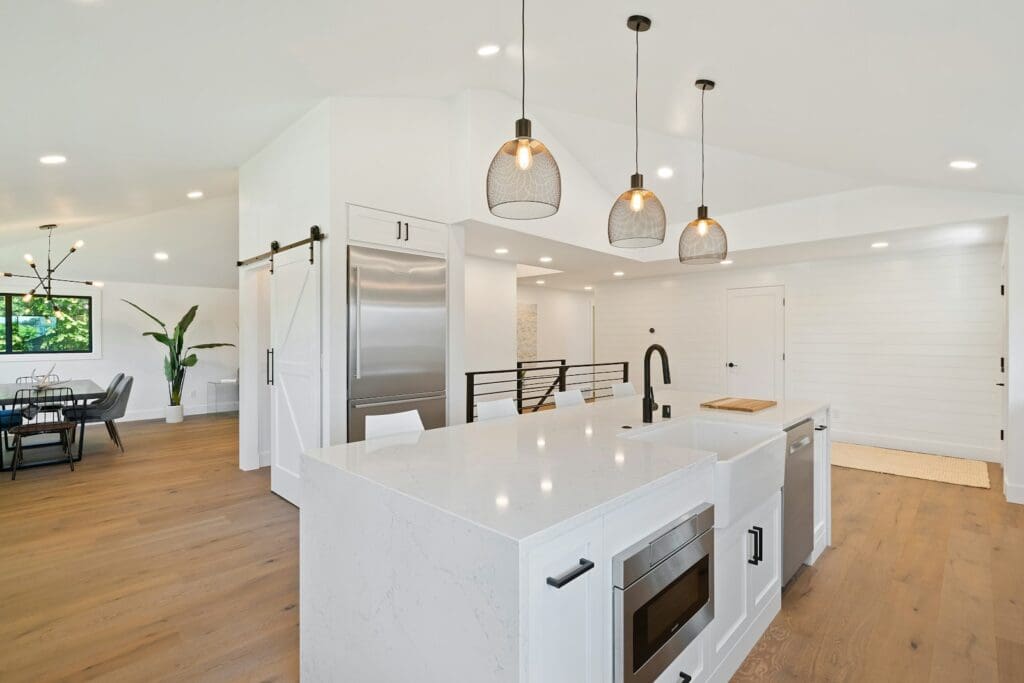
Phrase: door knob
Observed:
(731, 365)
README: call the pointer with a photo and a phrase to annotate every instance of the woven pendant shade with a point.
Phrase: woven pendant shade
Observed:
(523, 184)
(637, 218)
(703, 240)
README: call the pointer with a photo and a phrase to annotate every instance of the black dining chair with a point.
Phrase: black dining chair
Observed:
(107, 410)
(29, 404)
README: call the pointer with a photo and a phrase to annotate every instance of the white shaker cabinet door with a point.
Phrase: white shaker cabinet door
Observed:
(765, 574)
(733, 548)
(565, 637)
(372, 226)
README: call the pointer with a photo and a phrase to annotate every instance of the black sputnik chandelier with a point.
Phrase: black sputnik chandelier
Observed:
(43, 281)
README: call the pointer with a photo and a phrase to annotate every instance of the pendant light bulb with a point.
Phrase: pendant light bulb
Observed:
(523, 180)
(703, 239)
(27, 298)
(524, 155)
(637, 218)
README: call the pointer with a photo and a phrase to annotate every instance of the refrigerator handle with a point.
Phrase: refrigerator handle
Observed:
(358, 332)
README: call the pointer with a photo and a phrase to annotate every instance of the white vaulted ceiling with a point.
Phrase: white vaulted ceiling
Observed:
(149, 100)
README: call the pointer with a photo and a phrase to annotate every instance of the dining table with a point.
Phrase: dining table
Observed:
(83, 390)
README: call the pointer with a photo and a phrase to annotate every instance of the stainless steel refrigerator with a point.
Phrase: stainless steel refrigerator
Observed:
(397, 336)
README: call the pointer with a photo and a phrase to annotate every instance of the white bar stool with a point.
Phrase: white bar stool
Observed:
(490, 410)
(395, 423)
(572, 397)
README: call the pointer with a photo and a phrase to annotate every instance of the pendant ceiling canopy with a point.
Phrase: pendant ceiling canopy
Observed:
(703, 239)
(523, 181)
(637, 218)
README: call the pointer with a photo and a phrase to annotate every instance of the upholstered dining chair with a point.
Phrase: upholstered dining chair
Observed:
(107, 410)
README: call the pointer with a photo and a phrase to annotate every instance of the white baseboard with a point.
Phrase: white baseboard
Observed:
(1014, 492)
(190, 409)
(956, 450)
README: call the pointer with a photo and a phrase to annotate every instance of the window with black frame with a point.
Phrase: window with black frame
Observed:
(35, 327)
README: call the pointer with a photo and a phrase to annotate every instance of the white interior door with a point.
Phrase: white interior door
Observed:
(755, 343)
(295, 364)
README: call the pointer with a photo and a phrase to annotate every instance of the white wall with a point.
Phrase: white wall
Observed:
(490, 341)
(564, 323)
(124, 349)
(905, 347)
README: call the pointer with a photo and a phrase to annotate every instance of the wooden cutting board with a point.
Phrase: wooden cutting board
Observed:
(743, 405)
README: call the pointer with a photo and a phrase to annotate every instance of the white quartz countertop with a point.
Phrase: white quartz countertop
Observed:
(521, 475)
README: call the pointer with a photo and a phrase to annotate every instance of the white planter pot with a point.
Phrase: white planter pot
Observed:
(175, 414)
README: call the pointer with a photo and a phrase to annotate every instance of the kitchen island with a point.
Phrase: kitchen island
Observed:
(437, 556)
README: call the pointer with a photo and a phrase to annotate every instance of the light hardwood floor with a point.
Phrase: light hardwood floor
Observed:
(166, 563)
(924, 582)
(169, 564)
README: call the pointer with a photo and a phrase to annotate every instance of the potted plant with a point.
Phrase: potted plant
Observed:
(179, 357)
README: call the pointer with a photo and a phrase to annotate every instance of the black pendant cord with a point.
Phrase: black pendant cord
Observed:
(522, 55)
(636, 108)
(702, 91)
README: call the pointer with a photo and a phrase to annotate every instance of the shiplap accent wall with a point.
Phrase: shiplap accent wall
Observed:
(904, 346)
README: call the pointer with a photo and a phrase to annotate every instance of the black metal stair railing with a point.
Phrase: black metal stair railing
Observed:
(532, 384)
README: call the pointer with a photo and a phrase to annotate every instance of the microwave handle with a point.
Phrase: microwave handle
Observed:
(571, 575)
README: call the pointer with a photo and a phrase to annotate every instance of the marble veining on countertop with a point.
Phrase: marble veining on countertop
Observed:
(521, 475)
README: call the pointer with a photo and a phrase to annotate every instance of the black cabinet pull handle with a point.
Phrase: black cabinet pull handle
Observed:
(399, 236)
(685, 677)
(571, 575)
(270, 366)
(821, 428)
(759, 550)
(406, 232)
(755, 560)
(731, 365)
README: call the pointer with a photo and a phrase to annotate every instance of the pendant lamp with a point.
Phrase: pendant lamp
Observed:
(523, 181)
(637, 218)
(703, 239)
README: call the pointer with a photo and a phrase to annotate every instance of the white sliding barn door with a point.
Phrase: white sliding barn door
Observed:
(295, 393)
(755, 343)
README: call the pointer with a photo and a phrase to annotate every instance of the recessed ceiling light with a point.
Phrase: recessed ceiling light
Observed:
(618, 273)
(540, 282)
(52, 159)
(665, 172)
(545, 259)
(161, 256)
(588, 288)
(879, 245)
(963, 164)
(488, 50)
(195, 194)
(726, 262)
(501, 250)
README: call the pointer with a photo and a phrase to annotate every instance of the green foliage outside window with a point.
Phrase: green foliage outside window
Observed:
(32, 327)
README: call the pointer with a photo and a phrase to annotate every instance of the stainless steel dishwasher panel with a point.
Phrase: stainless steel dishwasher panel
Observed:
(798, 499)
